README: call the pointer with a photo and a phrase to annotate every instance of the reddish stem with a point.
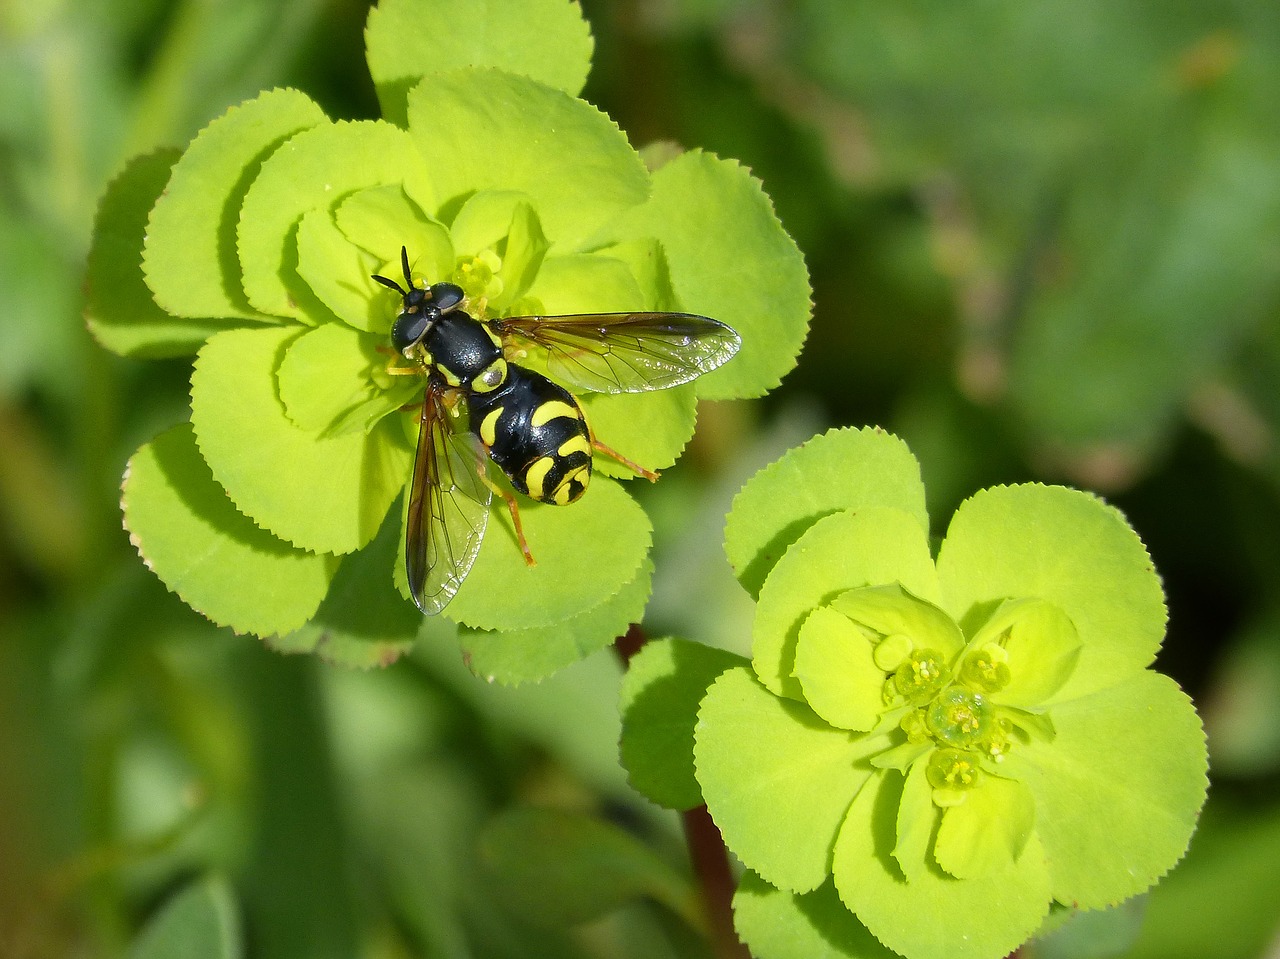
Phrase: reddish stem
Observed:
(711, 866)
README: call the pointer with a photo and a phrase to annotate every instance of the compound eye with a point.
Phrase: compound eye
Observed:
(408, 329)
(446, 296)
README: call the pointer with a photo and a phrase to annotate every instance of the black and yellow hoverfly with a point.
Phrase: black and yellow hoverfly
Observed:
(530, 426)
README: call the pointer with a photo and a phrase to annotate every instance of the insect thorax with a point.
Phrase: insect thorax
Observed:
(466, 353)
(535, 432)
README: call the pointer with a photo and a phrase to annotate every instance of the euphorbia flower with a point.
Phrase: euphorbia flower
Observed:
(258, 245)
(949, 746)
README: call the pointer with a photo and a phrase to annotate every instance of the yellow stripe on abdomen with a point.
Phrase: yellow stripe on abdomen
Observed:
(553, 409)
(536, 476)
(576, 444)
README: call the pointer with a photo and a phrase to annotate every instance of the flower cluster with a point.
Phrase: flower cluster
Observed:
(254, 248)
(932, 751)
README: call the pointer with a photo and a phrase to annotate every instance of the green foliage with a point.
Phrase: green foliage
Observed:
(210, 554)
(120, 309)
(189, 259)
(1105, 169)
(782, 501)
(548, 42)
(532, 652)
(661, 689)
(198, 923)
(560, 869)
(955, 746)
(257, 246)
(1043, 246)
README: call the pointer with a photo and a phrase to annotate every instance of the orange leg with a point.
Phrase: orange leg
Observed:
(632, 465)
(515, 521)
(514, 508)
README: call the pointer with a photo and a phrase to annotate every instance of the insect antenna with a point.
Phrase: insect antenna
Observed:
(404, 262)
(389, 283)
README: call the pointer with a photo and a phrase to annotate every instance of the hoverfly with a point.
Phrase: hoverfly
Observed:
(530, 426)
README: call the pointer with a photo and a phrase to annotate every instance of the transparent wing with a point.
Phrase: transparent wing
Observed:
(625, 352)
(448, 507)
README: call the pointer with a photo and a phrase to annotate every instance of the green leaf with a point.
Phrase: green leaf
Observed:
(522, 254)
(586, 552)
(578, 179)
(382, 219)
(647, 428)
(647, 263)
(814, 925)
(841, 682)
(1118, 790)
(488, 217)
(329, 380)
(932, 916)
(587, 283)
(214, 558)
(752, 276)
(781, 819)
(1042, 645)
(339, 273)
(1191, 913)
(839, 470)
(917, 821)
(558, 868)
(547, 40)
(892, 611)
(988, 831)
(190, 258)
(363, 622)
(327, 494)
(661, 690)
(1070, 549)
(200, 922)
(316, 170)
(119, 307)
(839, 552)
(518, 656)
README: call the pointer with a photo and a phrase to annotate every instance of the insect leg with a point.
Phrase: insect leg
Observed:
(514, 509)
(632, 465)
(515, 521)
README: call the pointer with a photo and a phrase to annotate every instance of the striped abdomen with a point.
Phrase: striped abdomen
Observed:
(535, 431)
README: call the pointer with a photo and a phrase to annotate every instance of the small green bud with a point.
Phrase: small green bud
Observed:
(999, 740)
(913, 724)
(891, 651)
(889, 695)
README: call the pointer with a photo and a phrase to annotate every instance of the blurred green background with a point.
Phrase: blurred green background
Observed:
(1045, 245)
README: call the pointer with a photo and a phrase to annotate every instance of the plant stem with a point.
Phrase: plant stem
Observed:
(711, 866)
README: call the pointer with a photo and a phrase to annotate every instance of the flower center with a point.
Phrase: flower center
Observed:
(951, 710)
(477, 275)
(959, 717)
